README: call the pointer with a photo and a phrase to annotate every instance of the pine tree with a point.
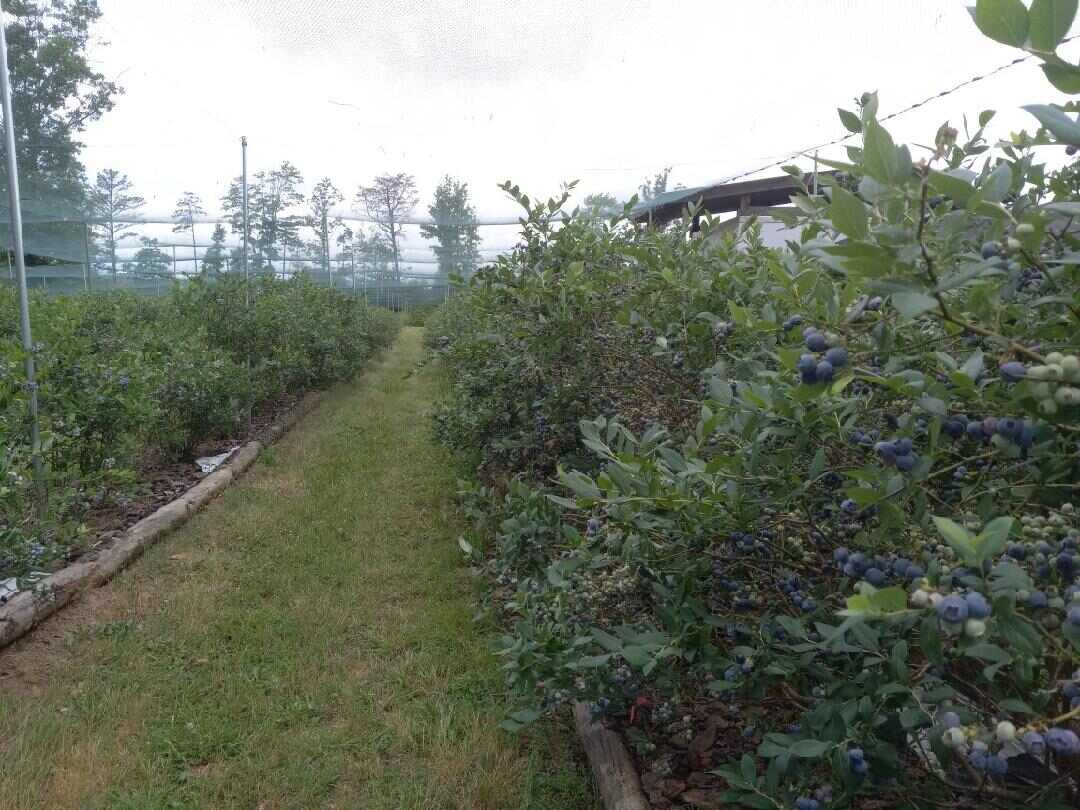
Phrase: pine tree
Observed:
(454, 228)
(111, 200)
(188, 207)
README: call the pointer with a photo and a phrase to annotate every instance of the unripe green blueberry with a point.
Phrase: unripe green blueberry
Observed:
(1025, 229)
(974, 628)
(935, 598)
(920, 598)
(1012, 243)
(1005, 731)
(1048, 407)
(1037, 373)
(1042, 390)
(953, 737)
(1067, 395)
(1070, 365)
(1054, 358)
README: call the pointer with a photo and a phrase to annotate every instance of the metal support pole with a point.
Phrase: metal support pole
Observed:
(20, 268)
(86, 253)
(244, 192)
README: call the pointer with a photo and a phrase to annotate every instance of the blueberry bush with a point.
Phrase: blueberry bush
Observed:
(803, 523)
(124, 380)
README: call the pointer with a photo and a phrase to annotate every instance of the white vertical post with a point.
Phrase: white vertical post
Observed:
(20, 265)
(244, 192)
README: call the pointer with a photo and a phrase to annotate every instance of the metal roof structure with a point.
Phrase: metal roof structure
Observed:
(742, 196)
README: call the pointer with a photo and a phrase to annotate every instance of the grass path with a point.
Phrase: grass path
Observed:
(307, 641)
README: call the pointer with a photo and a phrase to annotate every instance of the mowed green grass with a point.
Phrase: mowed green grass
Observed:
(307, 641)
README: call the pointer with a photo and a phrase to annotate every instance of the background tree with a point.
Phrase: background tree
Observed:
(150, 261)
(323, 198)
(388, 200)
(454, 228)
(271, 198)
(188, 207)
(214, 260)
(654, 186)
(602, 204)
(55, 94)
(111, 200)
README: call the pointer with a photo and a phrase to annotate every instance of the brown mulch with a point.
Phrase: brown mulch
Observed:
(162, 481)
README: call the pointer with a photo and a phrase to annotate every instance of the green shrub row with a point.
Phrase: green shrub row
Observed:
(126, 380)
(833, 486)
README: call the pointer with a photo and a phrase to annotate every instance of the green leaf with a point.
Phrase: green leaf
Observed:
(912, 304)
(960, 539)
(988, 652)
(955, 188)
(881, 158)
(580, 483)
(997, 184)
(809, 749)
(973, 366)
(1016, 706)
(1065, 78)
(748, 769)
(850, 120)
(1064, 128)
(1049, 22)
(848, 213)
(1005, 21)
(993, 538)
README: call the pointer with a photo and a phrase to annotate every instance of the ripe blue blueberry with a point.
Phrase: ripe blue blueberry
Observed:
(950, 720)
(952, 609)
(840, 554)
(1073, 616)
(906, 463)
(915, 572)
(849, 506)
(974, 430)
(806, 803)
(838, 356)
(1063, 741)
(997, 765)
(824, 371)
(874, 304)
(989, 250)
(978, 607)
(875, 576)
(886, 451)
(1034, 743)
(807, 362)
(1036, 600)
(816, 342)
(1013, 371)
(954, 426)
(904, 446)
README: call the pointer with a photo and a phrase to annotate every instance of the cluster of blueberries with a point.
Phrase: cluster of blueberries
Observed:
(958, 608)
(1048, 556)
(899, 453)
(814, 370)
(857, 763)
(877, 571)
(802, 600)
(1020, 432)
(742, 666)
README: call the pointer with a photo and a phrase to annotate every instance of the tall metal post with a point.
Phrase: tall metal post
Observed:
(20, 267)
(86, 252)
(243, 181)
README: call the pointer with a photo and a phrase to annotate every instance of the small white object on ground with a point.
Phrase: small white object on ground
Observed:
(8, 588)
(208, 464)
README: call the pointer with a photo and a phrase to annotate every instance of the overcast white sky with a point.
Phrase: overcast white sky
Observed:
(604, 91)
